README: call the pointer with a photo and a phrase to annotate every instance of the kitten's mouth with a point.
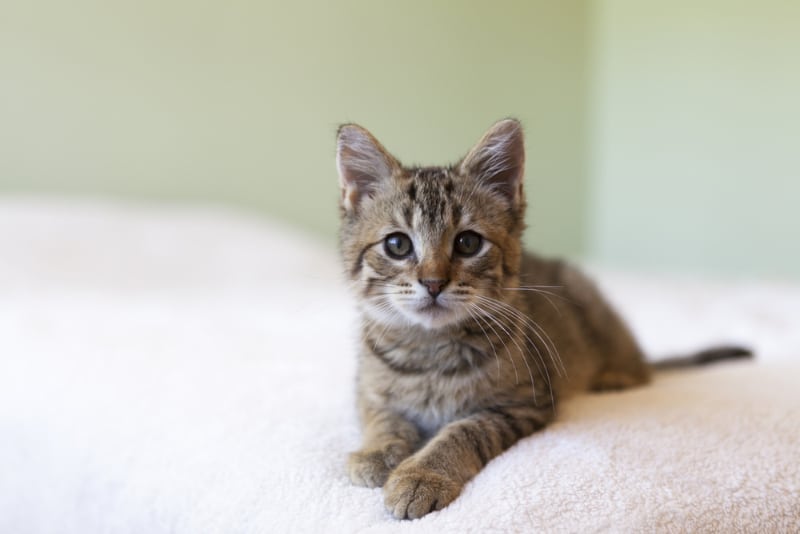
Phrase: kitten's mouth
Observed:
(434, 310)
(432, 307)
(435, 315)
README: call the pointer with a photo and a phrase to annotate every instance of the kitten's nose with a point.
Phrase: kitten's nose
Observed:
(434, 286)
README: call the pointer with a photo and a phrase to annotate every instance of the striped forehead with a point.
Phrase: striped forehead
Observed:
(430, 205)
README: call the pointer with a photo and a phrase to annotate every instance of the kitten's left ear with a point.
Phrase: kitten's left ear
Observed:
(364, 165)
(498, 160)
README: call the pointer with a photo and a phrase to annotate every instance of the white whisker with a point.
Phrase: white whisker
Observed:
(477, 321)
(552, 349)
(507, 314)
(483, 315)
(512, 314)
(514, 340)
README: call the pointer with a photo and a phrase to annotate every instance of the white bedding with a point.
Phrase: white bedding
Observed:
(190, 370)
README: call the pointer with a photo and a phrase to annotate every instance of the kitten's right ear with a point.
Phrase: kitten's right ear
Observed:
(364, 165)
(498, 160)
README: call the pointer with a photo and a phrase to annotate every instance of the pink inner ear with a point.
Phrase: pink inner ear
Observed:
(357, 185)
(353, 196)
(498, 160)
(363, 164)
(508, 182)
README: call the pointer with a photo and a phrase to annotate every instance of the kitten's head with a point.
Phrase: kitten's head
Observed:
(427, 246)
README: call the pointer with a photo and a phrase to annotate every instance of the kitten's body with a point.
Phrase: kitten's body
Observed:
(467, 343)
(434, 377)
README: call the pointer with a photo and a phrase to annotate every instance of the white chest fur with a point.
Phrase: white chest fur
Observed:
(432, 384)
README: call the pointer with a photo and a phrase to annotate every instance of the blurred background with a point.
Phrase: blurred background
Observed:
(660, 135)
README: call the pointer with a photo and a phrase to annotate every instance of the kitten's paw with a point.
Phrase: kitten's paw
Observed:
(371, 468)
(412, 492)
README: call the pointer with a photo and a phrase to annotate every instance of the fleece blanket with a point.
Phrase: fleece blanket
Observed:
(190, 370)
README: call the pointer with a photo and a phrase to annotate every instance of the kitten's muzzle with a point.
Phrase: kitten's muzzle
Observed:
(434, 287)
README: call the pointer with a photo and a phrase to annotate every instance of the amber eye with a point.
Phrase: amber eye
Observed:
(398, 245)
(468, 243)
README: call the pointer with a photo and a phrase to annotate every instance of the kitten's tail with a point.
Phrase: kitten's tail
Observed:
(704, 357)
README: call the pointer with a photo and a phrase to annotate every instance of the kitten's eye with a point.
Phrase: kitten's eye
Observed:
(398, 245)
(468, 243)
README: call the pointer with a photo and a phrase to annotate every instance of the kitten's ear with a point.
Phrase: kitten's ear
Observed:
(364, 165)
(498, 160)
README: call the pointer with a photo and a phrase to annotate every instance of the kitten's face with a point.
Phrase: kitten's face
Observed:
(431, 246)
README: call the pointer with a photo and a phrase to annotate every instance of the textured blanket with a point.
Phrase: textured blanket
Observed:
(190, 370)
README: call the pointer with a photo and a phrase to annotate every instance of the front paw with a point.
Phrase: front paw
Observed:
(412, 492)
(371, 468)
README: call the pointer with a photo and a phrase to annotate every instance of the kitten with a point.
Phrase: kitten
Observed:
(458, 358)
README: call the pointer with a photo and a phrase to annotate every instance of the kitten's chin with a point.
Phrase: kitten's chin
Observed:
(428, 316)
(434, 316)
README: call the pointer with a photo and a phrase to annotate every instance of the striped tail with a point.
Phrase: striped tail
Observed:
(704, 357)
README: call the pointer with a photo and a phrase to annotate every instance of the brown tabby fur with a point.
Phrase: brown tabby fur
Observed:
(446, 384)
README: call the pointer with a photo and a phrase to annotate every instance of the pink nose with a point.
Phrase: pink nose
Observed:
(434, 286)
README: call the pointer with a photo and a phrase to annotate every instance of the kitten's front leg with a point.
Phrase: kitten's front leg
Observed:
(434, 476)
(388, 440)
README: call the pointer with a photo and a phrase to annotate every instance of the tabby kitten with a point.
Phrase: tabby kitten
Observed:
(458, 358)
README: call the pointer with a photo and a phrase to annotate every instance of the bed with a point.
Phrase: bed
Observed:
(190, 370)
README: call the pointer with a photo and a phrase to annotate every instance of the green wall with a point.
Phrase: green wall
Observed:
(237, 102)
(695, 147)
(661, 135)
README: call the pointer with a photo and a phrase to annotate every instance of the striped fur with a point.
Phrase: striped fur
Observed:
(448, 381)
